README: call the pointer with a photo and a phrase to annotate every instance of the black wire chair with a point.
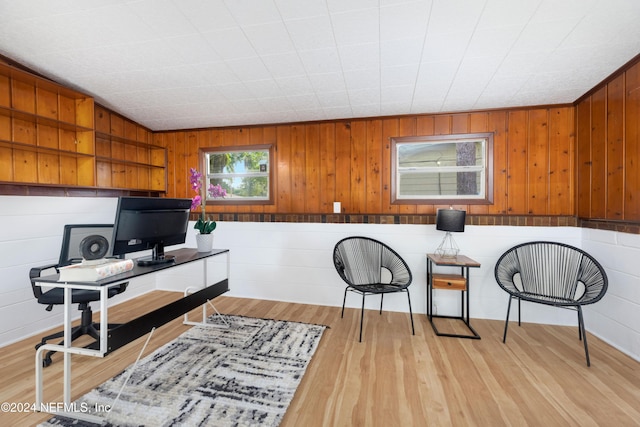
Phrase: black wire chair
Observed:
(371, 267)
(554, 274)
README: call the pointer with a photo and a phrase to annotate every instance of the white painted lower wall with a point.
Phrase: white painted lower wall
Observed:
(293, 262)
(31, 236)
(616, 318)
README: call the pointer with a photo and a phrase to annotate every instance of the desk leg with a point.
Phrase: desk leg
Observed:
(465, 296)
(104, 320)
(429, 291)
(39, 381)
(67, 345)
(468, 305)
(192, 289)
(66, 348)
(466, 291)
(205, 279)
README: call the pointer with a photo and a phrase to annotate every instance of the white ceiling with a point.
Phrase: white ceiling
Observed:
(178, 64)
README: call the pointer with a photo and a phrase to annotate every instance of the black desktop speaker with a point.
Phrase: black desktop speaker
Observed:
(94, 247)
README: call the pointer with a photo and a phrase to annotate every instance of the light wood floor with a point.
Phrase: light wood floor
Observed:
(539, 378)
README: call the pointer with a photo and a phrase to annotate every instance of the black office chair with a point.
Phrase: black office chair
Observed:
(370, 267)
(70, 253)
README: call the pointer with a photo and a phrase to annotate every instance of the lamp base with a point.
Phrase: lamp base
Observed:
(448, 247)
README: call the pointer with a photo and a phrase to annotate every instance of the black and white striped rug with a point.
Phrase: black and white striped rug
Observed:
(245, 375)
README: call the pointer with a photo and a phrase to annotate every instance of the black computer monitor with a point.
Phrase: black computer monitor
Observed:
(150, 223)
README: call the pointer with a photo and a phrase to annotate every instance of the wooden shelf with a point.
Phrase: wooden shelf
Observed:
(46, 132)
(51, 135)
(124, 156)
(42, 120)
(43, 150)
(25, 163)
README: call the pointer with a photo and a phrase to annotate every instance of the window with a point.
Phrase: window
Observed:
(443, 169)
(244, 174)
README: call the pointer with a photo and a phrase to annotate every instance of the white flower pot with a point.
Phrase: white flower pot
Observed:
(204, 242)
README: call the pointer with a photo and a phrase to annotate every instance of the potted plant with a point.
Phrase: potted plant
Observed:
(204, 239)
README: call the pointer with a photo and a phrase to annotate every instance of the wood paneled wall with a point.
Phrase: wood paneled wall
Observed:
(608, 149)
(349, 161)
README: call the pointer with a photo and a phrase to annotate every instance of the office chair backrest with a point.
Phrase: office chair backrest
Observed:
(70, 252)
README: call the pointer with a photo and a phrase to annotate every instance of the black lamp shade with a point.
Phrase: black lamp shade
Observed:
(450, 220)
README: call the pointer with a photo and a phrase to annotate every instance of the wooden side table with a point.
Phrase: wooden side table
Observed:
(454, 282)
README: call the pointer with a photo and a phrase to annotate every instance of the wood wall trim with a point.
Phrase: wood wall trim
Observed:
(506, 220)
(632, 62)
(13, 189)
(619, 226)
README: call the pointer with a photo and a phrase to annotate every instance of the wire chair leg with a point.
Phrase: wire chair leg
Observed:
(381, 299)
(584, 334)
(519, 311)
(579, 328)
(579, 334)
(344, 301)
(362, 316)
(506, 322)
(413, 329)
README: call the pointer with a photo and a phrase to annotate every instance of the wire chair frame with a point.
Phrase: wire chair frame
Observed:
(370, 267)
(554, 274)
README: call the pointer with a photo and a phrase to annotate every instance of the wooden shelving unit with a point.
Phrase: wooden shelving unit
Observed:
(124, 156)
(46, 132)
(51, 135)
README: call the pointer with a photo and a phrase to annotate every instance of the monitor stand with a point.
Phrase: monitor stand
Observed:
(157, 257)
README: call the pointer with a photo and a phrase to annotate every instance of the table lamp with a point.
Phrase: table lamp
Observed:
(449, 220)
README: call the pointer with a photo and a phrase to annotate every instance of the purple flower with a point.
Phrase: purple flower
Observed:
(216, 191)
(195, 179)
(195, 202)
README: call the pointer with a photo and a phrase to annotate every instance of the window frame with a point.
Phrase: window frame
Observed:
(441, 139)
(203, 152)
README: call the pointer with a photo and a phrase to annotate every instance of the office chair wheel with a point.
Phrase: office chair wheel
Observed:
(46, 361)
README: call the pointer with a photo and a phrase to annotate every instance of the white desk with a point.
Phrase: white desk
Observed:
(112, 339)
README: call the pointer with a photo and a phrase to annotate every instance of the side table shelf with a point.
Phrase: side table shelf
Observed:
(453, 282)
